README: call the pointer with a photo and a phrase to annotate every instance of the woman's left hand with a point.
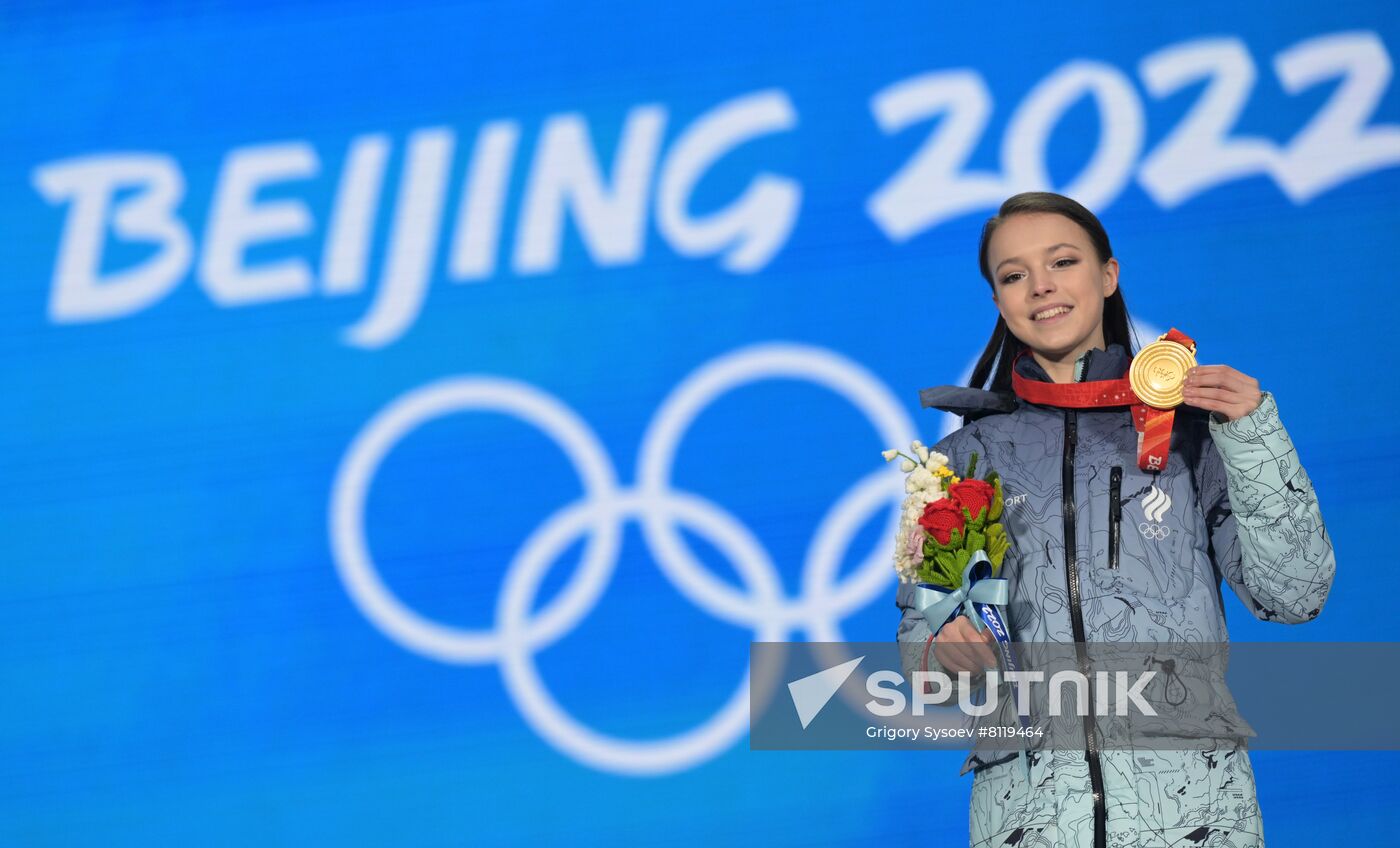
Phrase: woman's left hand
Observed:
(1222, 389)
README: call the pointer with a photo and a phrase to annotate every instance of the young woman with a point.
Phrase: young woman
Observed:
(1092, 559)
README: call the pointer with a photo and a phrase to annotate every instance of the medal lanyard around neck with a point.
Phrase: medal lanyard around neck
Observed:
(1153, 424)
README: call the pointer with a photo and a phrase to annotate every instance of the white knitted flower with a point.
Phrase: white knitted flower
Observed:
(922, 478)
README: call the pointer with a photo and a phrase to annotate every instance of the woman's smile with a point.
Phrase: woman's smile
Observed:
(1051, 314)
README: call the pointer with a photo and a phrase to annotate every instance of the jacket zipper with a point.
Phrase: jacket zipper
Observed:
(1115, 513)
(1076, 612)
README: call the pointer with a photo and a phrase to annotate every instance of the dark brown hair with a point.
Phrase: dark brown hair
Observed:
(1003, 347)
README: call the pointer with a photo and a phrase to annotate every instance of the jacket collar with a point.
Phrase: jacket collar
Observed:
(1093, 364)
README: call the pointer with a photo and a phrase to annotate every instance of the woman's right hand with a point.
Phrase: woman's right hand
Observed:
(960, 647)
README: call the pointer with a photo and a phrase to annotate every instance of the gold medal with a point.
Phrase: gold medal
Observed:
(1158, 372)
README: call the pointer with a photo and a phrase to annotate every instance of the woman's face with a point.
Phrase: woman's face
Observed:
(1049, 285)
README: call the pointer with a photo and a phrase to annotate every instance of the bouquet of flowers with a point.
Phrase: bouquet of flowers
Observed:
(946, 518)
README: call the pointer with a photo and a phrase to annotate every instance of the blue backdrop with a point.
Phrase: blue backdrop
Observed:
(329, 330)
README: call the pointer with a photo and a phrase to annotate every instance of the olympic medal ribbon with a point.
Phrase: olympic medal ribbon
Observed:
(1153, 389)
(1154, 436)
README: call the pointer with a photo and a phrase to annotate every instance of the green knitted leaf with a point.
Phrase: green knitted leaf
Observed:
(975, 522)
(946, 564)
(998, 501)
(997, 545)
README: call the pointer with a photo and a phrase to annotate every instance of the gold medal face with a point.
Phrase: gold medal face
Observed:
(1158, 373)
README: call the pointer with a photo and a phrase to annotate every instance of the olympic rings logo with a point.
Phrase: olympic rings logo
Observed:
(601, 513)
(1155, 532)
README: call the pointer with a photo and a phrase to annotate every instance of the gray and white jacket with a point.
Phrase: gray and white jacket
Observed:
(1104, 552)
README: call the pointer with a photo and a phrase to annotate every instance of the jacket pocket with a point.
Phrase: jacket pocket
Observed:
(1115, 513)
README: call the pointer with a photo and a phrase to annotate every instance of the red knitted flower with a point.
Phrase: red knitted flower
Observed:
(975, 495)
(941, 518)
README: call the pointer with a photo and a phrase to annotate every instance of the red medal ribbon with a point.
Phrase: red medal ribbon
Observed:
(1153, 425)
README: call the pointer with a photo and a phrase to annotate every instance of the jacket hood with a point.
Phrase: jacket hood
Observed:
(1093, 364)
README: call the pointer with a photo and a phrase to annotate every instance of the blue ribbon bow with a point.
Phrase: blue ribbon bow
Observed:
(980, 597)
(938, 605)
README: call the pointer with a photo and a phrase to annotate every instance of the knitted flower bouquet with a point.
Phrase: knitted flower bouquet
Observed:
(945, 519)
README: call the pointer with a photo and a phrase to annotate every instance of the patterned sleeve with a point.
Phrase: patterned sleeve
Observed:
(916, 653)
(1266, 532)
